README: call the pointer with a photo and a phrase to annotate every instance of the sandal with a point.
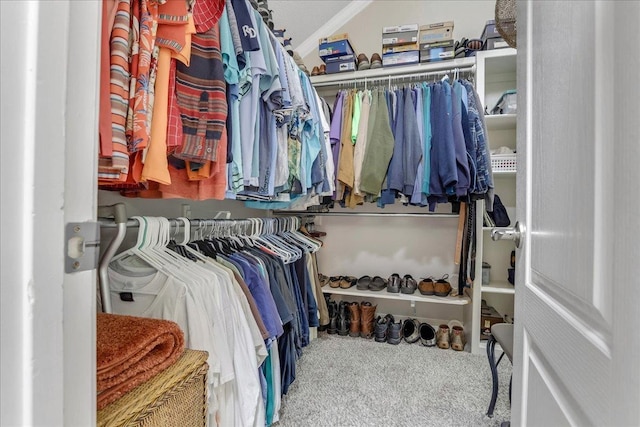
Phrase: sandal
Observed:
(334, 281)
(347, 281)
(363, 283)
(378, 284)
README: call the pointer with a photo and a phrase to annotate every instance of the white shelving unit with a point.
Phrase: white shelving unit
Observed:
(496, 73)
(416, 252)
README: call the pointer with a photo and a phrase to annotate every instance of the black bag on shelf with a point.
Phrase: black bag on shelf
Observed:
(499, 215)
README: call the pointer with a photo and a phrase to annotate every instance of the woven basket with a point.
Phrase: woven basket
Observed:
(176, 397)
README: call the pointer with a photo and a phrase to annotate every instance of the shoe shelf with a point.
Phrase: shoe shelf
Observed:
(499, 288)
(415, 297)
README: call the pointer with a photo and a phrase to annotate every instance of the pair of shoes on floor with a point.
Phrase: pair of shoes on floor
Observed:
(440, 287)
(351, 318)
(319, 70)
(413, 331)
(367, 283)
(388, 330)
(451, 337)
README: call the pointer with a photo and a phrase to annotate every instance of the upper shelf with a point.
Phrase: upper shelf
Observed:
(500, 121)
(390, 72)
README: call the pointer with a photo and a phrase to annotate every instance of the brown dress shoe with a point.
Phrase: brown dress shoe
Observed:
(322, 70)
(363, 62)
(426, 286)
(354, 316)
(367, 317)
(315, 71)
(442, 288)
(442, 337)
(376, 61)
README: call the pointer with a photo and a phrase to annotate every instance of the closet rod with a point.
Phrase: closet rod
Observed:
(392, 75)
(370, 214)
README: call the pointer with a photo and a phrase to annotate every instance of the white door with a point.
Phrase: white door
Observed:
(48, 178)
(577, 314)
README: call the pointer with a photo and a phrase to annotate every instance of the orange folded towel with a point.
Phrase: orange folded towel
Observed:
(131, 350)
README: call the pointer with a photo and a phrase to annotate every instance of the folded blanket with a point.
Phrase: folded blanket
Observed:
(131, 350)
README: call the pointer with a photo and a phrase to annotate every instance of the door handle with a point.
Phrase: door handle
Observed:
(509, 233)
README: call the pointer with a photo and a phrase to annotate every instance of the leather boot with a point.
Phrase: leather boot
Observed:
(367, 317)
(333, 317)
(354, 317)
(343, 318)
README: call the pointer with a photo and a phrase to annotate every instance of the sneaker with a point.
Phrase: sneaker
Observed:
(410, 330)
(376, 61)
(427, 335)
(393, 284)
(442, 337)
(382, 326)
(363, 62)
(394, 333)
(426, 286)
(408, 284)
(458, 339)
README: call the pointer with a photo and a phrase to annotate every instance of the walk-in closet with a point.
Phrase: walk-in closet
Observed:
(276, 213)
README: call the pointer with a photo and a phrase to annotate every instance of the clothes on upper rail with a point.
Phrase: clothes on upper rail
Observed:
(209, 106)
(248, 307)
(423, 143)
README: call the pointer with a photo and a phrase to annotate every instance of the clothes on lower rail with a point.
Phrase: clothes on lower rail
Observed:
(249, 308)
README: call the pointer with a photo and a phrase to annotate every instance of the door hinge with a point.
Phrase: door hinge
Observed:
(82, 246)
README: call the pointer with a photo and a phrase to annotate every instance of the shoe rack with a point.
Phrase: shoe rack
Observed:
(495, 74)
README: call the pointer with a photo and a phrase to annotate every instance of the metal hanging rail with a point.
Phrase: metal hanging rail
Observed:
(395, 73)
(369, 214)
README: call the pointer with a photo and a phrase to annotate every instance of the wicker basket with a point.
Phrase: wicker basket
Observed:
(503, 163)
(176, 397)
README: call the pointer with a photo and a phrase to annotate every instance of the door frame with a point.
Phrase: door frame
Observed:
(50, 75)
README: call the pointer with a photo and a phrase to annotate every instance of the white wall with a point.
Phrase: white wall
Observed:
(365, 29)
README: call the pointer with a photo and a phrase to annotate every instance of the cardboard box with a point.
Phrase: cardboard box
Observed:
(439, 51)
(399, 28)
(334, 38)
(401, 58)
(440, 31)
(404, 37)
(401, 48)
(489, 316)
(495, 43)
(490, 31)
(340, 64)
(336, 45)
